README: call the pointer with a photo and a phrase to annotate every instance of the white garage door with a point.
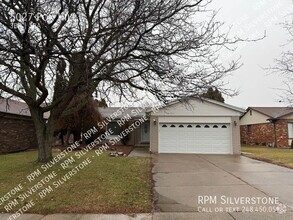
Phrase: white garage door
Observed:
(195, 138)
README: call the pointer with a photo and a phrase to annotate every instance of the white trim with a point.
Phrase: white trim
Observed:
(240, 110)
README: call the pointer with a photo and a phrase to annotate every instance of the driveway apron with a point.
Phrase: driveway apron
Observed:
(220, 183)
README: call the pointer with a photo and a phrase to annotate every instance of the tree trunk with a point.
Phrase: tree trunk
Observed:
(45, 141)
(44, 134)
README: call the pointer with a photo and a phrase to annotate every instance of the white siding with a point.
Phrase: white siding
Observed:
(255, 118)
(196, 107)
(288, 117)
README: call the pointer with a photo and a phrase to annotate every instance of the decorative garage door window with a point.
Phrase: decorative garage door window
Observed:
(206, 126)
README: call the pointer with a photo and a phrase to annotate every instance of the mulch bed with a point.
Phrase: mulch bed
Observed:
(118, 148)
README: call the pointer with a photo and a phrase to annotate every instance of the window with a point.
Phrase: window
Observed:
(113, 125)
(249, 128)
(215, 126)
(181, 126)
(290, 130)
(198, 126)
(224, 126)
(164, 126)
(189, 126)
(250, 112)
(206, 126)
(172, 126)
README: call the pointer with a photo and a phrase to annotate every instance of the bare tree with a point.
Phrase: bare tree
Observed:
(284, 65)
(116, 47)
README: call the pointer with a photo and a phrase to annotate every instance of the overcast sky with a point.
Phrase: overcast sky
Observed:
(252, 18)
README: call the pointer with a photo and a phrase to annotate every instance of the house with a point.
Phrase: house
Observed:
(17, 131)
(192, 125)
(268, 126)
(196, 125)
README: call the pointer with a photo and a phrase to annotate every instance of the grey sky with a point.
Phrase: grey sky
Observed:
(251, 18)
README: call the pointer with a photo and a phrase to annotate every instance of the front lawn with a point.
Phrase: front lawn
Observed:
(106, 185)
(283, 157)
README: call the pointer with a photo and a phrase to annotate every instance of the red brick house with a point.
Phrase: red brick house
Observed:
(267, 126)
(17, 131)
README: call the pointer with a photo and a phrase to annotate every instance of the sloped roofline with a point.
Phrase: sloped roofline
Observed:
(14, 107)
(286, 114)
(270, 117)
(252, 108)
(186, 99)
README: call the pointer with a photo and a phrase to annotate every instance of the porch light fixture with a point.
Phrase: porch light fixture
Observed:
(235, 123)
(155, 122)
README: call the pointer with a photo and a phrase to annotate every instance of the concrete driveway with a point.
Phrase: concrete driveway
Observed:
(220, 183)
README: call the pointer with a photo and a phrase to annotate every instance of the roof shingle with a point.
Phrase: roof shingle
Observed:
(273, 112)
(14, 107)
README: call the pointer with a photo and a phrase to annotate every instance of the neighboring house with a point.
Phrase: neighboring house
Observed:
(201, 126)
(268, 126)
(140, 137)
(17, 131)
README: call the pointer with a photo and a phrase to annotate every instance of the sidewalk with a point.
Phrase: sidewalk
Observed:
(157, 216)
(140, 152)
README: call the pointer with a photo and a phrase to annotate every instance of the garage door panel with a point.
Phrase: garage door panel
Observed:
(194, 138)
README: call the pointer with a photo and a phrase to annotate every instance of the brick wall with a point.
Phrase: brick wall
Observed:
(282, 133)
(17, 133)
(263, 134)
